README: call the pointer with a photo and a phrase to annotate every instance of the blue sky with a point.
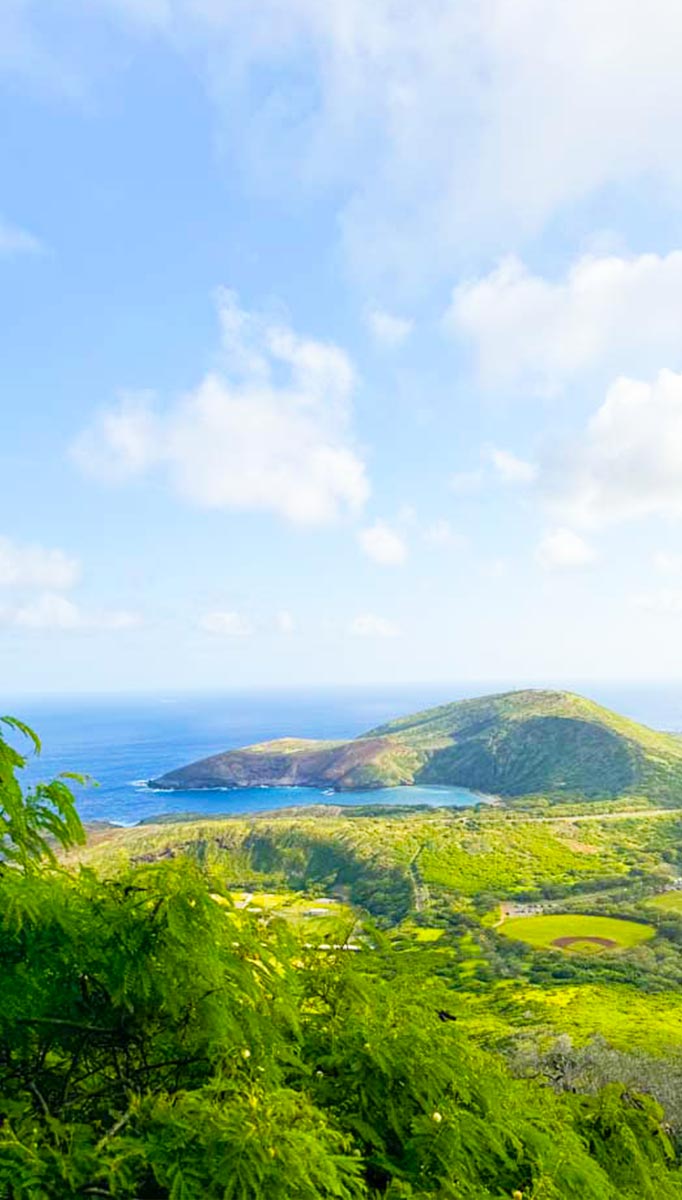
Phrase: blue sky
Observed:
(339, 343)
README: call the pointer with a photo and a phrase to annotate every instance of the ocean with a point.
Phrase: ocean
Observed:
(121, 742)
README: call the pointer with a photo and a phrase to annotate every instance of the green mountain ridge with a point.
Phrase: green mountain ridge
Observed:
(510, 744)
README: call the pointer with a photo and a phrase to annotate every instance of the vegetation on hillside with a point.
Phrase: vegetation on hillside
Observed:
(158, 1042)
(513, 744)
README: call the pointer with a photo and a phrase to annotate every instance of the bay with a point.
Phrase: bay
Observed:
(123, 741)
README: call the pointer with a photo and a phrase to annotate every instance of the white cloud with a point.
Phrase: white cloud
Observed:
(511, 469)
(387, 329)
(446, 126)
(268, 433)
(467, 483)
(369, 625)
(664, 601)
(565, 549)
(441, 533)
(434, 120)
(14, 240)
(667, 562)
(50, 611)
(226, 624)
(496, 568)
(500, 466)
(35, 566)
(284, 622)
(608, 312)
(383, 544)
(628, 464)
(124, 441)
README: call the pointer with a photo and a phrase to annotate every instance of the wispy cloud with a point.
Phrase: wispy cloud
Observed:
(509, 468)
(15, 241)
(369, 625)
(419, 115)
(35, 566)
(441, 533)
(388, 329)
(285, 622)
(227, 623)
(51, 611)
(664, 601)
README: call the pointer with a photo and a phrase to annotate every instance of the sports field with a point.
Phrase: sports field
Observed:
(577, 932)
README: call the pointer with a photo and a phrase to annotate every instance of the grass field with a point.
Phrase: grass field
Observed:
(628, 1019)
(575, 932)
(421, 933)
(668, 902)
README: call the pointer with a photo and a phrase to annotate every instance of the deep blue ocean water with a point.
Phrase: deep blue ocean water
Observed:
(123, 741)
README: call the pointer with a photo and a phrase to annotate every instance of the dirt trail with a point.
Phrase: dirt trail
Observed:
(421, 891)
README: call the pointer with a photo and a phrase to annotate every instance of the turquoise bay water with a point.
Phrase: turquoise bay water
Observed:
(121, 742)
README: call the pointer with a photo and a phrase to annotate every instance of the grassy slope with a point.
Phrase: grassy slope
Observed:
(513, 744)
(628, 1019)
(408, 866)
(540, 741)
(469, 854)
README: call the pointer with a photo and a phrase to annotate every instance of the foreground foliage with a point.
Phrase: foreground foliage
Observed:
(156, 1042)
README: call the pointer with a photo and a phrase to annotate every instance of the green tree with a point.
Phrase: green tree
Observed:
(34, 820)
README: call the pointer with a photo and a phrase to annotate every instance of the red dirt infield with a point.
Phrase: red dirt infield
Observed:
(564, 942)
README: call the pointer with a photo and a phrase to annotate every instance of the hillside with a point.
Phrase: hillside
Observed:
(512, 744)
(465, 898)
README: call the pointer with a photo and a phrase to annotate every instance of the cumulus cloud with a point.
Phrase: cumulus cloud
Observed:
(628, 462)
(563, 548)
(533, 332)
(269, 432)
(226, 624)
(383, 544)
(388, 329)
(51, 611)
(40, 576)
(14, 240)
(34, 566)
(372, 626)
